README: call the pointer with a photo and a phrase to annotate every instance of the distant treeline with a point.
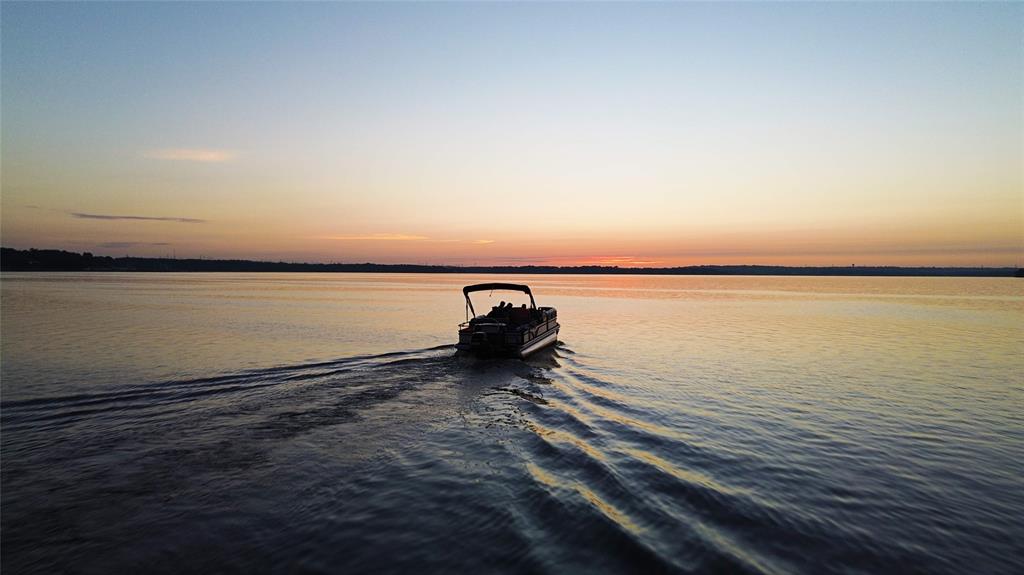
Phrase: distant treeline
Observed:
(59, 260)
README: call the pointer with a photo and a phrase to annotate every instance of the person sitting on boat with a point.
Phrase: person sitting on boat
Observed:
(501, 311)
(519, 315)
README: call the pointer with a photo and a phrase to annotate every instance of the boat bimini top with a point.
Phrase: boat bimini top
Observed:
(495, 286)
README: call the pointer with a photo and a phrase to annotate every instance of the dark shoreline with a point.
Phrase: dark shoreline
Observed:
(12, 260)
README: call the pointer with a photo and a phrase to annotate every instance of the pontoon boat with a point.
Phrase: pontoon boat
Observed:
(507, 330)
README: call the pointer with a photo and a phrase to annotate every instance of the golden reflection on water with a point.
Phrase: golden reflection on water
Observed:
(564, 437)
(113, 325)
(610, 415)
(590, 389)
(609, 510)
(686, 476)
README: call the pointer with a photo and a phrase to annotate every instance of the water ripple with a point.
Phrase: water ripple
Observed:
(819, 436)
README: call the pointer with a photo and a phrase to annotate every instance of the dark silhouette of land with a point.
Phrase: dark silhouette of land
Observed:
(59, 260)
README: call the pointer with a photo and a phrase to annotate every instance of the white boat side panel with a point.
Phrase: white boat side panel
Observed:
(543, 341)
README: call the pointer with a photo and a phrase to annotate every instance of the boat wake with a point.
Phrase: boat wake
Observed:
(153, 396)
(546, 464)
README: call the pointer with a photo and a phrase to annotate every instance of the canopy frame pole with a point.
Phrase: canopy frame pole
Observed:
(497, 286)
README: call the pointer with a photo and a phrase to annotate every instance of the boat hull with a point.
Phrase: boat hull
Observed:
(538, 343)
(485, 347)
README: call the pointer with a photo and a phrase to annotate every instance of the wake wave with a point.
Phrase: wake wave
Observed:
(586, 448)
(149, 395)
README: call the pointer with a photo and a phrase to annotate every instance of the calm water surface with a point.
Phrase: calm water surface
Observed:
(322, 423)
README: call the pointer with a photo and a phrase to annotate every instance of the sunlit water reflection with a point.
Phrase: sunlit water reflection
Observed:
(234, 422)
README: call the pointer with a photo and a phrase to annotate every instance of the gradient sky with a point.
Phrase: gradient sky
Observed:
(631, 134)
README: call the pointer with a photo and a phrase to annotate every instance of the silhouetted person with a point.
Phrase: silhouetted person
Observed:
(519, 315)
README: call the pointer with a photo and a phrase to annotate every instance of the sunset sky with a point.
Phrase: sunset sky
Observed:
(626, 134)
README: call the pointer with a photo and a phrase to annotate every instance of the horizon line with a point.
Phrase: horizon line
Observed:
(524, 266)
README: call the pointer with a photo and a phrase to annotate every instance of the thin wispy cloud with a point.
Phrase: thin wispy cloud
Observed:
(397, 238)
(376, 238)
(620, 261)
(130, 244)
(204, 155)
(524, 260)
(137, 218)
(847, 251)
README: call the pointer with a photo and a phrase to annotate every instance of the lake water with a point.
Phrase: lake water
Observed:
(322, 423)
